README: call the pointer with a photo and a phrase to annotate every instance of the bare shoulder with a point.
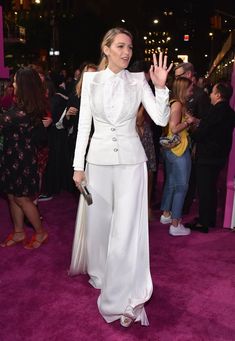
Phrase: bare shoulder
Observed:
(176, 109)
(175, 104)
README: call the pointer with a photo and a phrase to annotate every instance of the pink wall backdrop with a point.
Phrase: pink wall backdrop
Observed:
(232, 101)
(228, 213)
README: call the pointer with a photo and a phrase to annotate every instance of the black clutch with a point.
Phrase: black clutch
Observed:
(86, 194)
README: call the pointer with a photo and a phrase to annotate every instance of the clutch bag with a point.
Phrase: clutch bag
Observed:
(170, 142)
(86, 194)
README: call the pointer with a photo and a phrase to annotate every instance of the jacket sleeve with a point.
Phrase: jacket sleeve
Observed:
(206, 126)
(84, 125)
(202, 103)
(156, 106)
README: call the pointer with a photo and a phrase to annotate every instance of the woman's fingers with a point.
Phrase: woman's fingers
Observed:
(160, 59)
(165, 62)
(154, 59)
(161, 62)
(79, 177)
(170, 67)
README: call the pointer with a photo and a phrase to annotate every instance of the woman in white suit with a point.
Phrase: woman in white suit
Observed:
(111, 237)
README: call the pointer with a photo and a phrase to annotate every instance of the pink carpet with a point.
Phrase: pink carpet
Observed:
(194, 286)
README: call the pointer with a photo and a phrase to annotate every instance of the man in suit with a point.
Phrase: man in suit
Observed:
(213, 142)
(199, 103)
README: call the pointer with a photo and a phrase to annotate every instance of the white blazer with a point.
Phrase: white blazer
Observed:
(115, 139)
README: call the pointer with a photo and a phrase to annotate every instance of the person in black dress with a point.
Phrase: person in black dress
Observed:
(70, 123)
(55, 178)
(22, 131)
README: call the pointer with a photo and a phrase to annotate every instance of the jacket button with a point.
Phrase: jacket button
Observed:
(115, 150)
(113, 129)
(114, 139)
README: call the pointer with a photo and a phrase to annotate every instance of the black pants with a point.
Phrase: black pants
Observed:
(207, 176)
(191, 193)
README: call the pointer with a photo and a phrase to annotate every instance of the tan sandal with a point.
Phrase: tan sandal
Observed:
(34, 243)
(10, 241)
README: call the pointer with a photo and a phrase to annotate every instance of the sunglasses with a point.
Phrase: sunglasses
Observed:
(177, 76)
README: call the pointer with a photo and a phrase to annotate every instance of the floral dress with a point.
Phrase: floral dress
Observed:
(146, 137)
(18, 157)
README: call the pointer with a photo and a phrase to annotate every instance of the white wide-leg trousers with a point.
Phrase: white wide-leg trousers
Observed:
(111, 240)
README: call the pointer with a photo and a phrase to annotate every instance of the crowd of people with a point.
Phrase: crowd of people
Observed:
(96, 130)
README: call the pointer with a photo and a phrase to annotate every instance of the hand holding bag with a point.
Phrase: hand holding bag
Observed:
(86, 194)
(170, 142)
(59, 124)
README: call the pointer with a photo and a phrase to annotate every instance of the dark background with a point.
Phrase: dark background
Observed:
(76, 28)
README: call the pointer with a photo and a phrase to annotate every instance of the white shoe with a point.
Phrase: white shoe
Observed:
(180, 230)
(128, 317)
(165, 220)
(126, 321)
(44, 197)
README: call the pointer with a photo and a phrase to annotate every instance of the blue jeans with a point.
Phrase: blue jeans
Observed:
(177, 171)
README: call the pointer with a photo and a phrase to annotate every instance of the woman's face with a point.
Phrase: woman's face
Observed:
(14, 84)
(214, 95)
(119, 53)
(42, 77)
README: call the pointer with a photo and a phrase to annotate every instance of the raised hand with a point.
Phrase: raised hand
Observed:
(159, 70)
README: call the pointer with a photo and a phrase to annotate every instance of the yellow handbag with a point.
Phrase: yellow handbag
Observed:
(182, 146)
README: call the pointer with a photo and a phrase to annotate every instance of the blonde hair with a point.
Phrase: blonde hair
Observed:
(107, 41)
(180, 85)
(85, 69)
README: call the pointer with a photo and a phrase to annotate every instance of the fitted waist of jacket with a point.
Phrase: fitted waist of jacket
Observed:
(126, 128)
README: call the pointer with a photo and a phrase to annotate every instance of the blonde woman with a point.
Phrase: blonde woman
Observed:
(111, 237)
(177, 159)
